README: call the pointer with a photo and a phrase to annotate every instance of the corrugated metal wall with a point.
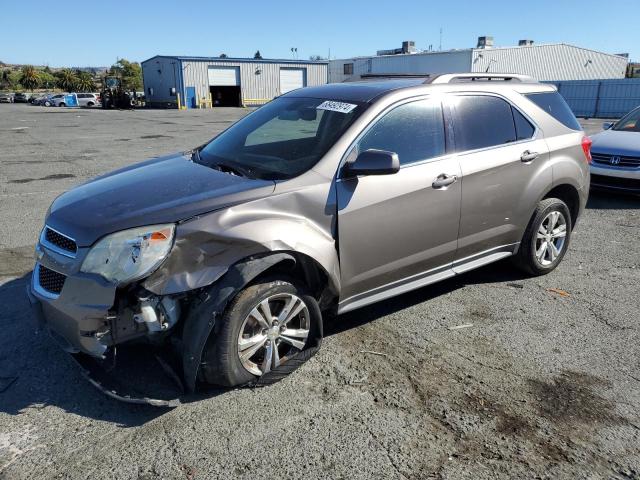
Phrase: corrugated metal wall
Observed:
(254, 86)
(161, 74)
(601, 98)
(544, 62)
(550, 62)
(434, 63)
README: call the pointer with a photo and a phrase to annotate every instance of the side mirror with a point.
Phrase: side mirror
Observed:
(607, 125)
(373, 162)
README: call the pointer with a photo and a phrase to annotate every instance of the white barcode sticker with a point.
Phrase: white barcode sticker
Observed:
(336, 106)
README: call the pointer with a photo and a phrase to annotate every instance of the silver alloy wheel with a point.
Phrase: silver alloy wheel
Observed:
(550, 238)
(274, 330)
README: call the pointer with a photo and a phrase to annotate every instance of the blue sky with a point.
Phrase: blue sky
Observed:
(75, 35)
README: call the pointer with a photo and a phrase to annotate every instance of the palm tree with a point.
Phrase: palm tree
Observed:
(85, 82)
(30, 77)
(67, 80)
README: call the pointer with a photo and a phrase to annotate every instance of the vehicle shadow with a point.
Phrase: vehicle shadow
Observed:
(44, 374)
(498, 272)
(606, 200)
(47, 376)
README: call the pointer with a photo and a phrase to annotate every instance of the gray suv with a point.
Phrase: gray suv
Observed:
(325, 200)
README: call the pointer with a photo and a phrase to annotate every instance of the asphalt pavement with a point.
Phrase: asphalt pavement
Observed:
(541, 381)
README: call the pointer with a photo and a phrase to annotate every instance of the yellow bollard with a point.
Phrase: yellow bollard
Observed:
(179, 104)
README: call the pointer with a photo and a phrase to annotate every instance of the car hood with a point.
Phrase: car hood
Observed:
(616, 142)
(163, 190)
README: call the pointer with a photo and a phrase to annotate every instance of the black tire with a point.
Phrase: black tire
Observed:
(62, 104)
(90, 104)
(223, 365)
(526, 258)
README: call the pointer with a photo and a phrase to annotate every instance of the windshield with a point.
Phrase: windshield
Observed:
(281, 140)
(630, 122)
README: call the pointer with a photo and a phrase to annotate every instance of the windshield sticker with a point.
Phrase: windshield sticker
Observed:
(336, 106)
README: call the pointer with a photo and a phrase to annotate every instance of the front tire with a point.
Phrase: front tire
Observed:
(264, 330)
(546, 238)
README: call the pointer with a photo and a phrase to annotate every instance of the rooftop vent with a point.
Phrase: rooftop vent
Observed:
(408, 46)
(485, 42)
(525, 43)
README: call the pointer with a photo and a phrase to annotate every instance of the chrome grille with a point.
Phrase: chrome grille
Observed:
(622, 161)
(50, 281)
(59, 240)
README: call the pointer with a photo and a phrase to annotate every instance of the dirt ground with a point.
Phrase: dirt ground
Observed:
(542, 382)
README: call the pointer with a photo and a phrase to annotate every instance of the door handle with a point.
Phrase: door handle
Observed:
(528, 156)
(444, 180)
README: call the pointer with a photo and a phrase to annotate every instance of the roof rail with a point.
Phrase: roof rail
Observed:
(482, 77)
(376, 76)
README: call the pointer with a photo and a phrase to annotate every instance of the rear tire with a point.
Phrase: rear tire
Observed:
(546, 238)
(228, 354)
(62, 104)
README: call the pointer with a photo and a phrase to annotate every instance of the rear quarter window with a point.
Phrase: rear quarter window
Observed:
(555, 105)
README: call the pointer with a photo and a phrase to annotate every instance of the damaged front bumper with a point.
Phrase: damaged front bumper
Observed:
(77, 316)
(142, 374)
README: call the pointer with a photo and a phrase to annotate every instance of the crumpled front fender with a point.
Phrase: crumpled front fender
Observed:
(206, 246)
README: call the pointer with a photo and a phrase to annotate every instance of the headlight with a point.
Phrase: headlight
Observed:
(129, 255)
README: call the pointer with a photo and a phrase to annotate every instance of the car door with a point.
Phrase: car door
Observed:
(502, 156)
(397, 231)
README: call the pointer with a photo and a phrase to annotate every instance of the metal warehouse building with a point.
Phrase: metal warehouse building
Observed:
(225, 81)
(552, 62)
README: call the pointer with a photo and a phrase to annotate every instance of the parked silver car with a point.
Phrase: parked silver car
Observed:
(56, 100)
(326, 199)
(616, 155)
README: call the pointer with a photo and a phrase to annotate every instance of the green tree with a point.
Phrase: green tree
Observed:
(66, 80)
(257, 55)
(4, 79)
(14, 79)
(85, 82)
(47, 80)
(129, 72)
(29, 77)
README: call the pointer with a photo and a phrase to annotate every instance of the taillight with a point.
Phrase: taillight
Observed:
(586, 148)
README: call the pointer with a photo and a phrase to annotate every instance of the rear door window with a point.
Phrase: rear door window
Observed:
(481, 122)
(555, 105)
(415, 131)
(524, 129)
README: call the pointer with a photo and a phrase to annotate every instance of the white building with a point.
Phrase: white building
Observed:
(230, 82)
(551, 62)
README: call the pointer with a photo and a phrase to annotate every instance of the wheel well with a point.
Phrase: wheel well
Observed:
(309, 273)
(569, 195)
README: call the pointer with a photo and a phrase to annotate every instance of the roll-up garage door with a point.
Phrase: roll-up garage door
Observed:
(224, 76)
(292, 78)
